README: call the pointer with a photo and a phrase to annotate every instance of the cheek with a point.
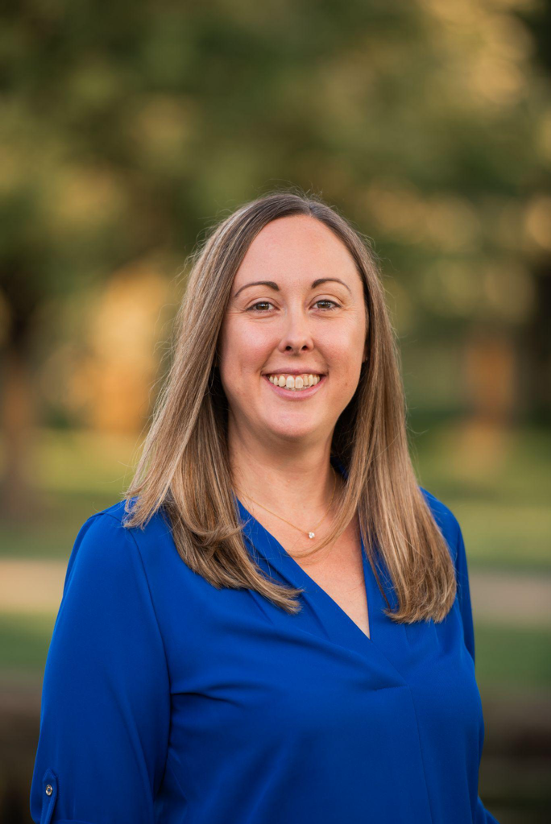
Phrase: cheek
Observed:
(255, 339)
(243, 342)
(343, 350)
(242, 356)
(345, 361)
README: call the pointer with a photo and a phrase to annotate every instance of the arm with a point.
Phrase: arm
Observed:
(105, 711)
(464, 598)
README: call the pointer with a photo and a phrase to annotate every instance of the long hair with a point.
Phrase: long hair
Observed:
(184, 466)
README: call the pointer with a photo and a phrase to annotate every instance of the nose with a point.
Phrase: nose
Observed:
(296, 333)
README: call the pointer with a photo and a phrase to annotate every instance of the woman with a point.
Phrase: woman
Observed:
(277, 626)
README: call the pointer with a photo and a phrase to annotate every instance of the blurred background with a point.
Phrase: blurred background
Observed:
(127, 131)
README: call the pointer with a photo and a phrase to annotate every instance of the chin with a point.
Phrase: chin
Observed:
(290, 430)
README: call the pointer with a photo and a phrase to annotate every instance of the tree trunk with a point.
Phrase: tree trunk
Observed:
(19, 498)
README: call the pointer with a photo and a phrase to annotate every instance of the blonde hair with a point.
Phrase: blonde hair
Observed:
(184, 466)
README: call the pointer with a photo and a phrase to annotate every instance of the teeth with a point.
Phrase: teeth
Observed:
(295, 381)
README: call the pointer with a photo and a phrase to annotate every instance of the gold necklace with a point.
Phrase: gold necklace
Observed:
(310, 534)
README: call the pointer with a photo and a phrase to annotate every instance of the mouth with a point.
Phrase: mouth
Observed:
(303, 373)
(296, 394)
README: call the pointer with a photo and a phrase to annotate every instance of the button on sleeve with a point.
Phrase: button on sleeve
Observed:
(105, 710)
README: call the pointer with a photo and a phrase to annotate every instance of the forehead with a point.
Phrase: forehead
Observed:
(296, 246)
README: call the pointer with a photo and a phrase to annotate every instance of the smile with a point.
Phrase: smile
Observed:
(294, 392)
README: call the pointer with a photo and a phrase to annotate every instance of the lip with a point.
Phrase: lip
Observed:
(295, 372)
(293, 395)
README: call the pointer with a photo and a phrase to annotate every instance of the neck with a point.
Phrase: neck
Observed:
(299, 489)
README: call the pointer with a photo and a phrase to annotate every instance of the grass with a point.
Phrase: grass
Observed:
(512, 656)
(496, 486)
(24, 641)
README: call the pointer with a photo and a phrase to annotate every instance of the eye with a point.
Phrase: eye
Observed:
(269, 303)
(331, 308)
(259, 303)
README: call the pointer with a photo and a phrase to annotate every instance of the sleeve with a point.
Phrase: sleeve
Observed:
(464, 599)
(105, 711)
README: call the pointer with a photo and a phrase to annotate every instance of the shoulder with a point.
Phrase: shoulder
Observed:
(445, 519)
(104, 543)
(113, 520)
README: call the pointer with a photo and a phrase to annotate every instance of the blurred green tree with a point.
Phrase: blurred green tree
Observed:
(125, 128)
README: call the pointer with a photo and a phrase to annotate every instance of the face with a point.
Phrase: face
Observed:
(308, 317)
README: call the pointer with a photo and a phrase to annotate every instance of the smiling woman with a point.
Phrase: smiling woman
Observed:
(210, 663)
(282, 326)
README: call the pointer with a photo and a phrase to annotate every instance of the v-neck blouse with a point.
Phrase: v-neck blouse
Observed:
(166, 700)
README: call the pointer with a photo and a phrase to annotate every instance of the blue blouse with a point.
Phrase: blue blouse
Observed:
(167, 700)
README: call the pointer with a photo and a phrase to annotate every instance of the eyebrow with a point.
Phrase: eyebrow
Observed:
(273, 285)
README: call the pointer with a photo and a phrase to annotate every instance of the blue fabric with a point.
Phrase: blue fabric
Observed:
(168, 700)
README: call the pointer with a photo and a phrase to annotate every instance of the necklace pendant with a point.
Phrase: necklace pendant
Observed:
(311, 534)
